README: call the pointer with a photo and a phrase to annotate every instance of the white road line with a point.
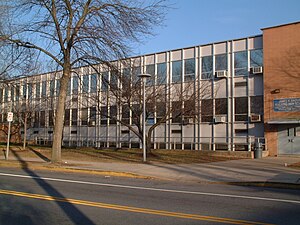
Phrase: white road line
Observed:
(152, 189)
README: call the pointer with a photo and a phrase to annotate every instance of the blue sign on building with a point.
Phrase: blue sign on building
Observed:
(287, 105)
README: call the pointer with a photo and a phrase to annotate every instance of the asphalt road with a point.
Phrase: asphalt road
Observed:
(38, 197)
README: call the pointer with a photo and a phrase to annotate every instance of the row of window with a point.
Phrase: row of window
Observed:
(209, 107)
(242, 61)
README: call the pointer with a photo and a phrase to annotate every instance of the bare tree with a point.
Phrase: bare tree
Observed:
(121, 92)
(73, 32)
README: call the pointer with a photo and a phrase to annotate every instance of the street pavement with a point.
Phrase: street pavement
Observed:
(268, 170)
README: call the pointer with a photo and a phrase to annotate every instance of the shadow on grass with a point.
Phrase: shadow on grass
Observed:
(46, 159)
(72, 212)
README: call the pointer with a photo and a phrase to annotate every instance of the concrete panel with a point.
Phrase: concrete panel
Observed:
(220, 88)
(206, 50)
(255, 42)
(189, 53)
(161, 57)
(149, 59)
(256, 85)
(176, 55)
(256, 129)
(240, 45)
(220, 130)
(221, 48)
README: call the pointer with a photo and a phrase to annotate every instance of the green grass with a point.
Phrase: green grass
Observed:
(121, 155)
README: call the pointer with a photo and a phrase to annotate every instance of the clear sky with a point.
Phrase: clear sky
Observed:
(196, 22)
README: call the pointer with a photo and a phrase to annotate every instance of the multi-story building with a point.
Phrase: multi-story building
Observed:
(252, 95)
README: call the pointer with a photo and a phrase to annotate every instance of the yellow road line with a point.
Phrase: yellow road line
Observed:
(130, 209)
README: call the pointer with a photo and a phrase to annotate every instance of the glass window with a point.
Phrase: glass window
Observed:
(176, 112)
(12, 93)
(84, 116)
(207, 67)
(67, 117)
(1, 95)
(43, 118)
(256, 58)
(37, 90)
(207, 110)
(92, 116)
(150, 69)
(257, 104)
(189, 69)
(36, 119)
(29, 86)
(125, 113)
(241, 63)
(113, 114)
(51, 116)
(24, 90)
(221, 62)
(74, 117)
(161, 73)
(135, 72)
(57, 87)
(75, 85)
(176, 71)
(221, 106)
(104, 113)
(104, 80)
(17, 92)
(6, 94)
(85, 83)
(44, 88)
(241, 108)
(93, 83)
(52, 87)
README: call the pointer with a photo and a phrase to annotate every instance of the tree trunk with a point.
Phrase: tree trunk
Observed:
(148, 141)
(60, 114)
(25, 132)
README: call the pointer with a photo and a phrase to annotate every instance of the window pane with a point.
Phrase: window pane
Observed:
(93, 83)
(84, 116)
(29, 86)
(150, 69)
(207, 67)
(207, 110)
(44, 88)
(256, 58)
(161, 73)
(221, 106)
(67, 117)
(75, 85)
(24, 90)
(85, 84)
(37, 90)
(221, 62)
(74, 117)
(104, 80)
(52, 88)
(189, 69)
(57, 87)
(176, 71)
(241, 105)
(256, 104)
(241, 63)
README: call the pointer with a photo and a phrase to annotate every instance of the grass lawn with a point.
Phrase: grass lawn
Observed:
(122, 155)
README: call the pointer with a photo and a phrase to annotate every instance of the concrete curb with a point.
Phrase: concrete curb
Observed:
(70, 169)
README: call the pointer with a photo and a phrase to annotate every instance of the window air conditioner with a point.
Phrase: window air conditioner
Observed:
(256, 70)
(254, 118)
(220, 119)
(221, 73)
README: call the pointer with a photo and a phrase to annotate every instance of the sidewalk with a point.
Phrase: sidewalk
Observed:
(270, 169)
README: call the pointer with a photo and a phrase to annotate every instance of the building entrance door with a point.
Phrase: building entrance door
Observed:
(289, 140)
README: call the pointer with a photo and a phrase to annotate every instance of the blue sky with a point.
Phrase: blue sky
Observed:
(196, 22)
